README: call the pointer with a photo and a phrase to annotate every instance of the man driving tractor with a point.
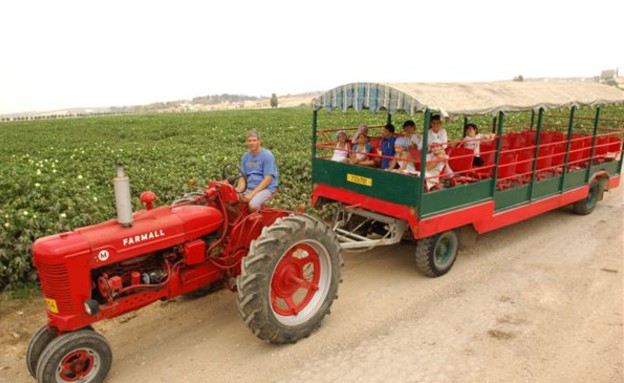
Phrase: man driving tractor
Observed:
(258, 166)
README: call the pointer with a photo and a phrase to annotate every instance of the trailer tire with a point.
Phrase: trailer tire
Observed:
(436, 255)
(587, 205)
(289, 279)
(82, 355)
(38, 342)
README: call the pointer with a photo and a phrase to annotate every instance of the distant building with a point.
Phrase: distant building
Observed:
(609, 77)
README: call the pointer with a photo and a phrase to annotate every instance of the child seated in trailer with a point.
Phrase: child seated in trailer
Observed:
(341, 153)
(472, 140)
(386, 147)
(362, 129)
(436, 163)
(413, 139)
(402, 162)
(437, 136)
(360, 155)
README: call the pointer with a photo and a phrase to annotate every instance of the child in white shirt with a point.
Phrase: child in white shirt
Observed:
(402, 162)
(472, 140)
(341, 153)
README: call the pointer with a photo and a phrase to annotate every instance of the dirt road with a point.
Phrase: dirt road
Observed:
(540, 301)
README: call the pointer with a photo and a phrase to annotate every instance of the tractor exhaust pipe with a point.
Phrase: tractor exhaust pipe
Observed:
(122, 197)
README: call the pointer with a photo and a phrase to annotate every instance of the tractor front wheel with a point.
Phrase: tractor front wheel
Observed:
(80, 356)
(289, 279)
(38, 342)
(436, 255)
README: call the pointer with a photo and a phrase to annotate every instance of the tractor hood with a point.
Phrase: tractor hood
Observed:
(109, 242)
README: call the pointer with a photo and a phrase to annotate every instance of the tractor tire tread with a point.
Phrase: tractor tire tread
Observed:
(63, 344)
(38, 342)
(254, 304)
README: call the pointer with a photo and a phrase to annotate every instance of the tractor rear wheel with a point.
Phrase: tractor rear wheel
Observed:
(436, 255)
(79, 356)
(289, 279)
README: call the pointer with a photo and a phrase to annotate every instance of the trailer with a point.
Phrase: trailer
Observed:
(548, 146)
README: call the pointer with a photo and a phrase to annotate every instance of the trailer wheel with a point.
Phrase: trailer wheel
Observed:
(80, 356)
(587, 205)
(36, 345)
(436, 255)
(289, 279)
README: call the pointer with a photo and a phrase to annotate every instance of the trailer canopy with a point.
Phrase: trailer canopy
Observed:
(452, 99)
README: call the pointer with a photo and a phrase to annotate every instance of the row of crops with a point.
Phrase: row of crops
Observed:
(56, 175)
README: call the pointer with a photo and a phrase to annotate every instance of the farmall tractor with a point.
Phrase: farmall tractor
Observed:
(285, 267)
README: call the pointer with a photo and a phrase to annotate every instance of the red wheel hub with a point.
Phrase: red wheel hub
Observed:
(76, 366)
(295, 280)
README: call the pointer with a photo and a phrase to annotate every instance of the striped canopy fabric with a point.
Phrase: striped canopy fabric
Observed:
(453, 99)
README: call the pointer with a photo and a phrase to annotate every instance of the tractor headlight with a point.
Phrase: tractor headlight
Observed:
(91, 306)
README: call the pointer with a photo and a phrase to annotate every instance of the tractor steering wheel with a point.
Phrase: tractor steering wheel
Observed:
(235, 177)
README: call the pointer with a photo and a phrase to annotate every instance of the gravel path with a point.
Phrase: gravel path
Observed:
(539, 301)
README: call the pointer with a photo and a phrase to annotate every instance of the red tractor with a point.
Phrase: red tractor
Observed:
(285, 267)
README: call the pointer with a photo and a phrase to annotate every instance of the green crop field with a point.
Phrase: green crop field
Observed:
(56, 175)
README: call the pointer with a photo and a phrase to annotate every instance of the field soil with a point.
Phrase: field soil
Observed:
(539, 301)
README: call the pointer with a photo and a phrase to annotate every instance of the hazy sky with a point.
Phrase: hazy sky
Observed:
(63, 53)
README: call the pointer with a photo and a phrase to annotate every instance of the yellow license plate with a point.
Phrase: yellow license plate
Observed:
(51, 305)
(359, 180)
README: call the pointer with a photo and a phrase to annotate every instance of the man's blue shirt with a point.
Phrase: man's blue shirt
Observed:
(256, 167)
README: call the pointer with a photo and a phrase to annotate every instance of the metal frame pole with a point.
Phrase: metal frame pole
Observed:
(314, 126)
(590, 161)
(423, 160)
(497, 155)
(568, 146)
(540, 120)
